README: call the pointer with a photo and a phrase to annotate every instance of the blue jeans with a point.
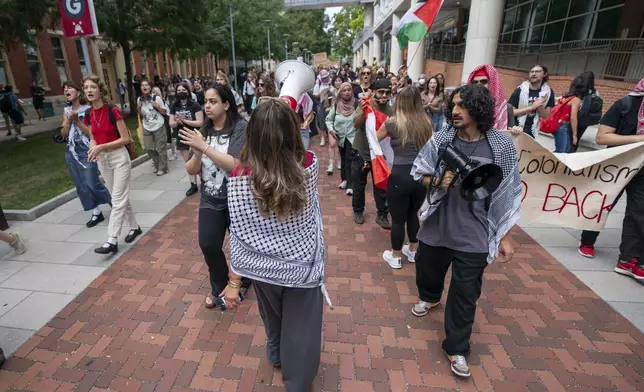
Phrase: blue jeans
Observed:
(89, 187)
(562, 138)
(437, 119)
(306, 139)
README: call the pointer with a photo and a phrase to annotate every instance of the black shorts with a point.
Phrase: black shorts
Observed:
(39, 105)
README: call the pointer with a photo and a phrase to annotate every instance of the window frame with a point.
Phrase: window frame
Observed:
(45, 83)
(64, 59)
(7, 69)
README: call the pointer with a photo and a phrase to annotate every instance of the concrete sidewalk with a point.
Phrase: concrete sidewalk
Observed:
(142, 326)
(60, 261)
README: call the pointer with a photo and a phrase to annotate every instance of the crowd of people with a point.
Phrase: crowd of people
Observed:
(258, 183)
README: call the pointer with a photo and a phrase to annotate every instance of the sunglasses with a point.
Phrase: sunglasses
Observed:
(483, 82)
(260, 84)
(384, 92)
(365, 73)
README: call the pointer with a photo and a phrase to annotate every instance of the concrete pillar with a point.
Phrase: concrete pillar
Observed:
(415, 56)
(365, 52)
(368, 15)
(377, 46)
(396, 54)
(482, 34)
(355, 60)
(120, 63)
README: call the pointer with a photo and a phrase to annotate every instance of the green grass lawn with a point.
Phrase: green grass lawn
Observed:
(35, 171)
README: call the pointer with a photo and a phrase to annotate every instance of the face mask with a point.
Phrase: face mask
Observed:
(182, 95)
(421, 81)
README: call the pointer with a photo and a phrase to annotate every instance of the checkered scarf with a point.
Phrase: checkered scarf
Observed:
(496, 90)
(505, 202)
(524, 101)
(638, 91)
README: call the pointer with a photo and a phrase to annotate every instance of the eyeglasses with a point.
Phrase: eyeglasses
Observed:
(365, 73)
(384, 92)
(484, 82)
(260, 84)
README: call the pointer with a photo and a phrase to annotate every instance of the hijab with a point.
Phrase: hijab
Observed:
(495, 87)
(638, 91)
(345, 107)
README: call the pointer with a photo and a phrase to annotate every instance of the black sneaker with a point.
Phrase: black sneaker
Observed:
(107, 248)
(358, 218)
(383, 221)
(192, 190)
(2, 358)
(131, 236)
(95, 220)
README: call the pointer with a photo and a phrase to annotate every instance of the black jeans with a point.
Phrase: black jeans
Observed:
(632, 243)
(404, 198)
(588, 237)
(580, 133)
(212, 232)
(359, 171)
(464, 290)
(345, 162)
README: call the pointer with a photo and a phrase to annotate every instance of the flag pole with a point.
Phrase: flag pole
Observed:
(419, 46)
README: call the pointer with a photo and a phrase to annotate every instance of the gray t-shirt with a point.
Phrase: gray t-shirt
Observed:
(214, 180)
(458, 224)
(403, 154)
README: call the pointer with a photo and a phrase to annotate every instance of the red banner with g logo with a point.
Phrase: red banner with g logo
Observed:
(78, 17)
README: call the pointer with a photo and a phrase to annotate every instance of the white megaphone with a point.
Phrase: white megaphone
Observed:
(296, 78)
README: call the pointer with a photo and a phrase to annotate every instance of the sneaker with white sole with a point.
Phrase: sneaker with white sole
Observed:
(458, 364)
(421, 308)
(394, 262)
(349, 192)
(411, 255)
(18, 245)
(329, 169)
(21, 138)
(339, 166)
(343, 185)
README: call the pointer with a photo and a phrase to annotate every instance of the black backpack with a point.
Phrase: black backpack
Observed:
(591, 110)
(5, 102)
(626, 103)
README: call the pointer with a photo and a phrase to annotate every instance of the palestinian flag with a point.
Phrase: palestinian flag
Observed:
(382, 155)
(416, 22)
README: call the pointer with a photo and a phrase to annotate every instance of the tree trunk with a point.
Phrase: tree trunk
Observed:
(127, 54)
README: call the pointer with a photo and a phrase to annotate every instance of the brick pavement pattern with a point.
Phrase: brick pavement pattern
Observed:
(141, 326)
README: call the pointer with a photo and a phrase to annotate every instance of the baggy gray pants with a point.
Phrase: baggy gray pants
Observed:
(293, 322)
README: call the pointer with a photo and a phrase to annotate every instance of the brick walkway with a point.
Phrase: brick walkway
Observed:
(141, 325)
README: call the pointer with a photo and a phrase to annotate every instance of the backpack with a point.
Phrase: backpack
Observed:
(556, 116)
(5, 103)
(130, 147)
(626, 103)
(591, 111)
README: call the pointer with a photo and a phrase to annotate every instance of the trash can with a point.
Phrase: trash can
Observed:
(3, 221)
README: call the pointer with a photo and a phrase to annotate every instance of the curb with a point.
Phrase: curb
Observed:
(55, 202)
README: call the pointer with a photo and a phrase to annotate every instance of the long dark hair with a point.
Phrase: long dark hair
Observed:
(275, 153)
(479, 103)
(589, 76)
(177, 101)
(578, 87)
(232, 114)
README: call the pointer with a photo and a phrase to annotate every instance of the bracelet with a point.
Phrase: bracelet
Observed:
(234, 284)
(205, 149)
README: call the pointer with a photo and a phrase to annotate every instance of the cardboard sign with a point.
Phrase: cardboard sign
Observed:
(78, 17)
(573, 190)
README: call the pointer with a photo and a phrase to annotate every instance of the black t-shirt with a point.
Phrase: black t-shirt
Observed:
(187, 112)
(627, 125)
(37, 94)
(358, 91)
(214, 180)
(200, 97)
(533, 95)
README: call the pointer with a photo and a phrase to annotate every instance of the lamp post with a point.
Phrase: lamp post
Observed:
(268, 38)
(232, 39)
(286, 46)
(305, 57)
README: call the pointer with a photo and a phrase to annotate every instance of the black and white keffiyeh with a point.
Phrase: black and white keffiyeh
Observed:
(524, 101)
(287, 252)
(505, 202)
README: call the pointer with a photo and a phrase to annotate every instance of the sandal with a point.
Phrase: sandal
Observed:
(209, 302)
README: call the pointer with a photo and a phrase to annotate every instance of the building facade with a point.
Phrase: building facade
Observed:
(567, 36)
(54, 58)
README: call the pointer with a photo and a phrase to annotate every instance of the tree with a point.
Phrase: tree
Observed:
(22, 20)
(346, 25)
(176, 26)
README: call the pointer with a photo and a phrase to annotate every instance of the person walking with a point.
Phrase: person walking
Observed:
(277, 240)
(5, 107)
(91, 191)
(17, 111)
(409, 129)
(468, 235)
(108, 137)
(152, 110)
(15, 242)
(321, 91)
(249, 91)
(339, 122)
(122, 88)
(215, 153)
(38, 99)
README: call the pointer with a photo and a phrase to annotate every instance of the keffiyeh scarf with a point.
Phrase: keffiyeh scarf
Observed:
(524, 101)
(638, 91)
(505, 202)
(496, 90)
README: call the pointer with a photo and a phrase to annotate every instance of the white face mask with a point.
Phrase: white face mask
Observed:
(421, 82)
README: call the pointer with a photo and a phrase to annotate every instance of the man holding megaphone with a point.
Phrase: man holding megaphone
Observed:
(473, 200)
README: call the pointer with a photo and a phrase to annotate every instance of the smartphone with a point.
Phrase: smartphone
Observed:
(221, 302)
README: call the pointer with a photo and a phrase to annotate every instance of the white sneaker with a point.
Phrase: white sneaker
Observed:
(329, 169)
(155, 170)
(20, 138)
(18, 245)
(161, 172)
(343, 185)
(394, 262)
(339, 166)
(172, 157)
(411, 255)
(349, 192)
(322, 141)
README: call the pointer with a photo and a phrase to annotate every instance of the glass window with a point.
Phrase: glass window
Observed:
(540, 11)
(81, 58)
(33, 63)
(518, 37)
(523, 16)
(578, 28)
(508, 20)
(4, 73)
(606, 24)
(578, 7)
(610, 3)
(558, 10)
(534, 35)
(553, 32)
(506, 38)
(59, 58)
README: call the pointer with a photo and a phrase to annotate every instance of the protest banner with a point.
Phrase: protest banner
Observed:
(573, 190)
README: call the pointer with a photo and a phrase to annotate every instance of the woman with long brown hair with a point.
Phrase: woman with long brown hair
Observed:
(265, 88)
(276, 239)
(91, 191)
(409, 128)
(108, 137)
(434, 101)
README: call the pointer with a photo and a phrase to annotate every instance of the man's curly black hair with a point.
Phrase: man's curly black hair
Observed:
(479, 103)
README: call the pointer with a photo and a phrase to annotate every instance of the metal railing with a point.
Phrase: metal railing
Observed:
(620, 59)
